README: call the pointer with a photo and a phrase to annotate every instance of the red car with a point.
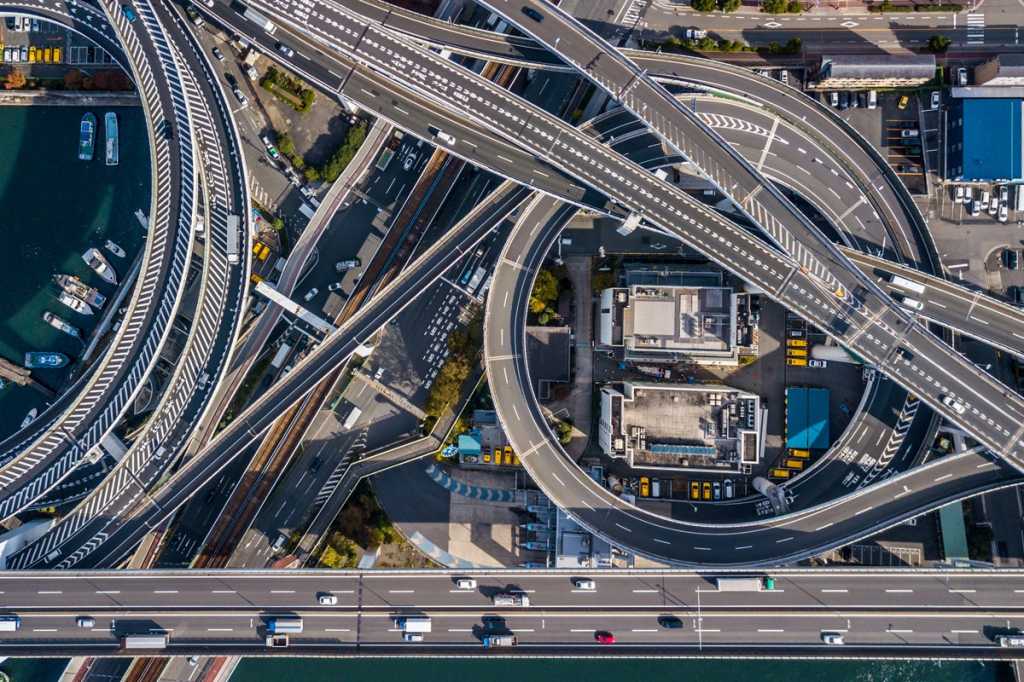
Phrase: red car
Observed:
(604, 637)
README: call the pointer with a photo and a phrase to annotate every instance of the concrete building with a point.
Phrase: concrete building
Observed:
(863, 72)
(984, 141)
(669, 323)
(575, 547)
(682, 427)
(1004, 70)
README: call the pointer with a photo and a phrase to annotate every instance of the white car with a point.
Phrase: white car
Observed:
(910, 132)
(284, 49)
(1003, 213)
(310, 294)
(696, 33)
(817, 364)
(87, 622)
(953, 404)
(326, 599)
(959, 194)
(961, 77)
(379, 374)
(465, 584)
(409, 161)
(832, 638)
(334, 286)
(935, 99)
(412, 636)
(585, 584)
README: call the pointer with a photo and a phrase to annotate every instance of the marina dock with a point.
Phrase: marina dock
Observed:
(17, 374)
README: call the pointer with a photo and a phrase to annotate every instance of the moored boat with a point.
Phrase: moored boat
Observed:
(114, 249)
(96, 260)
(75, 303)
(45, 360)
(30, 417)
(87, 137)
(61, 325)
(73, 285)
(110, 128)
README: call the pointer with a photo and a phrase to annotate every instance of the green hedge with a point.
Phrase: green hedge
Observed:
(887, 6)
(288, 89)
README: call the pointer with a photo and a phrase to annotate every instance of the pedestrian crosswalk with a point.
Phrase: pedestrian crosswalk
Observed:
(975, 28)
(258, 194)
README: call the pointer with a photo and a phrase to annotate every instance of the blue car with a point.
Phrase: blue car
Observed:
(129, 13)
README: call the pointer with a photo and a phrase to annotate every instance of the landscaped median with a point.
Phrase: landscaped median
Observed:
(291, 91)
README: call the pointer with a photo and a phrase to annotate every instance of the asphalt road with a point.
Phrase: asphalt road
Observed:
(210, 611)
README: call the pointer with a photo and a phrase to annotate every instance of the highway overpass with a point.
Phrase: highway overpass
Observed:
(933, 613)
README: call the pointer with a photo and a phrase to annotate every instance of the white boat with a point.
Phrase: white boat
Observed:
(61, 325)
(30, 417)
(114, 249)
(143, 220)
(95, 260)
(75, 303)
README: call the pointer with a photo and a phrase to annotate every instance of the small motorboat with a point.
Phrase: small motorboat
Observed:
(114, 249)
(30, 417)
(95, 260)
(75, 303)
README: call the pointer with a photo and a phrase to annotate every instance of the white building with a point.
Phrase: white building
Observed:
(668, 323)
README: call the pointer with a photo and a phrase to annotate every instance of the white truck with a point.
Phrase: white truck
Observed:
(511, 599)
(233, 236)
(413, 623)
(744, 584)
(260, 20)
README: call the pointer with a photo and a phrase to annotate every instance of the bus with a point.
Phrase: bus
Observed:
(150, 641)
(232, 249)
(904, 283)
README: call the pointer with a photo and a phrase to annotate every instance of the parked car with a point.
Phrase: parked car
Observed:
(910, 132)
(533, 14)
(716, 489)
(251, 72)
(936, 98)
(730, 489)
(343, 265)
(833, 98)
(334, 286)
(310, 294)
(961, 77)
(409, 161)
(1011, 259)
(217, 53)
(844, 100)
(817, 364)
(902, 104)
(240, 96)
(959, 194)
(1003, 213)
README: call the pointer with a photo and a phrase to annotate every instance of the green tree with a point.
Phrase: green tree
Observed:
(545, 287)
(705, 5)
(285, 144)
(730, 5)
(938, 44)
(793, 46)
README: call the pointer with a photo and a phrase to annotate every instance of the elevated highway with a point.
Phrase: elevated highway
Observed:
(107, 393)
(201, 366)
(937, 613)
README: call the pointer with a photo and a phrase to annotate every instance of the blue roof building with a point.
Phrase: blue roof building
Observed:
(985, 142)
(469, 443)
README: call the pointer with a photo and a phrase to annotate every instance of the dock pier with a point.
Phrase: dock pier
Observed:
(19, 375)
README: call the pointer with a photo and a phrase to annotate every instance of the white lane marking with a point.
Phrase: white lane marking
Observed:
(401, 591)
(943, 477)
(835, 591)
(899, 591)
(108, 591)
(825, 526)
(964, 591)
(644, 591)
(282, 592)
(336, 630)
(222, 592)
(621, 526)
(770, 630)
(964, 632)
(745, 547)
(49, 592)
(165, 592)
(664, 542)
(44, 629)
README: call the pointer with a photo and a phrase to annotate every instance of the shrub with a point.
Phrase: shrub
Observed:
(938, 44)
(730, 5)
(705, 5)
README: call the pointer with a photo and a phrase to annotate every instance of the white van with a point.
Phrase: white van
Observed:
(413, 623)
(9, 623)
(872, 99)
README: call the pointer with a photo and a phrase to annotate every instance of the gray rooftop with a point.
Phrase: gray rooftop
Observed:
(877, 66)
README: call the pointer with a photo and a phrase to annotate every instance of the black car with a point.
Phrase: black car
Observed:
(670, 622)
(533, 14)
(844, 100)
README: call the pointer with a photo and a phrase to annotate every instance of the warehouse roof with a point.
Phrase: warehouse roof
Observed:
(878, 66)
(992, 139)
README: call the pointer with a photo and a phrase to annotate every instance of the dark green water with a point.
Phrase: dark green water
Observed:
(52, 208)
(365, 670)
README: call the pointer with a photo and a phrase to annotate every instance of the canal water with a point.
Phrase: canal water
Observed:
(52, 208)
(560, 670)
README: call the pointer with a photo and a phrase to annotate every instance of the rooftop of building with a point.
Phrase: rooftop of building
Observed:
(878, 66)
(992, 139)
(678, 318)
(549, 350)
